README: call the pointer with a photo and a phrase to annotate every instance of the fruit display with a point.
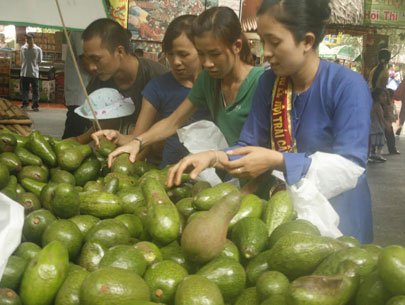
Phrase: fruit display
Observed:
(95, 235)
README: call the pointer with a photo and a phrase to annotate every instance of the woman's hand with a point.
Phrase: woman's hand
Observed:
(111, 135)
(132, 148)
(198, 161)
(254, 161)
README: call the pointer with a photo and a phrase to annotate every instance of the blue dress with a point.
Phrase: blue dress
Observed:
(332, 116)
(165, 94)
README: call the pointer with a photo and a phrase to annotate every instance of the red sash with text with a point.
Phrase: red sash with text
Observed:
(281, 131)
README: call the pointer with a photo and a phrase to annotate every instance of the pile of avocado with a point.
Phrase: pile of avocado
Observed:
(95, 235)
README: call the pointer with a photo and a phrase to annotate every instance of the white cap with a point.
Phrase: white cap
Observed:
(108, 103)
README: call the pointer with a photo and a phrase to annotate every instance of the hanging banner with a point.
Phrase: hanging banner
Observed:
(384, 12)
(119, 11)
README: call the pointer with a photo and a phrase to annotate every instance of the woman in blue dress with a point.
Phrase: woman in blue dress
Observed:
(302, 105)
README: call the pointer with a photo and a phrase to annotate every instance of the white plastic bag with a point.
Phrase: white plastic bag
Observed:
(11, 225)
(328, 176)
(202, 136)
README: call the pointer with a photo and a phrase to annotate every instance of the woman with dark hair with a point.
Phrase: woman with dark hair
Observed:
(225, 87)
(162, 95)
(303, 105)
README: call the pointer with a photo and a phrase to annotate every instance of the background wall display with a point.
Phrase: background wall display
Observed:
(118, 10)
(148, 19)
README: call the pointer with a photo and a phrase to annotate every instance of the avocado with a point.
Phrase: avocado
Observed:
(372, 291)
(8, 142)
(123, 165)
(257, 266)
(106, 147)
(12, 162)
(93, 186)
(66, 201)
(45, 275)
(91, 255)
(87, 171)
(69, 292)
(204, 237)
(4, 175)
(35, 224)
(197, 290)
(70, 159)
(30, 202)
(251, 206)
(179, 192)
(279, 210)
(10, 190)
(349, 241)
(227, 274)
(13, 272)
(33, 186)
(150, 252)
(250, 235)
(27, 157)
(364, 261)
(108, 285)
(397, 300)
(133, 224)
(271, 283)
(249, 296)
(163, 279)
(84, 222)
(131, 198)
(9, 297)
(391, 266)
(65, 232)
(205, 199)
(125, 181)
(294, 226)
(100, 204)
(34, 172)
(199, 186)
(185, 206)
(174, 253)
(46, 195)
(40, 147)
(299, 254)
(125, 257)
(321, 290)
(109, 232)
(230, 250)
(163, 220)
(62, 176)
(27, 250)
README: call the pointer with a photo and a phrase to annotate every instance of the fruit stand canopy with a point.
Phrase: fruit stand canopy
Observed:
(78, 14)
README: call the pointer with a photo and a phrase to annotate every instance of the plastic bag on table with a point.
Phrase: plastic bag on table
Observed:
(202, 136)
(11, 225)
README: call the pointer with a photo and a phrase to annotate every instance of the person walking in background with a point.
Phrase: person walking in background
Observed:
(399, 95)
(377, 139)
(390, 116)
(74, 96)
(379, 74)
(31, 57)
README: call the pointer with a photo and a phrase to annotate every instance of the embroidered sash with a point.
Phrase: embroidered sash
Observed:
(281, 129)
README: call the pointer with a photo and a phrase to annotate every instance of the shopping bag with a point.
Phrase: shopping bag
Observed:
(328, 176)
(202, 136)
(11, 225)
